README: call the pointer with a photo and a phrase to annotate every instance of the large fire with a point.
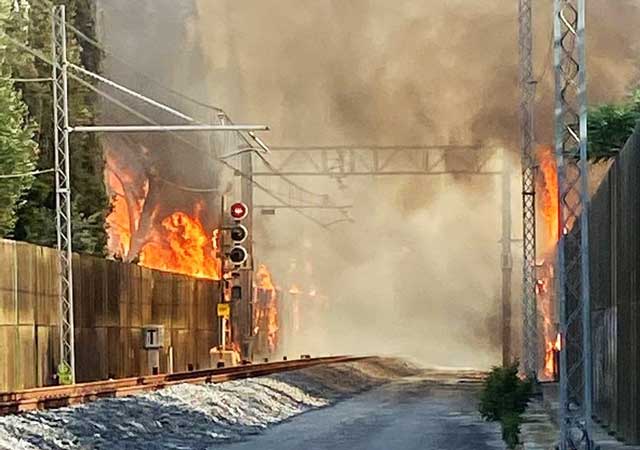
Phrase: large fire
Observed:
(124, 218)
(265, 312)
(263, 278)
(548, 207)
(548, 196)
(550, 360)
(182, 246)
(178, 242)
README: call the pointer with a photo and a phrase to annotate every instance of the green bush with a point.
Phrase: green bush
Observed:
(610, 125)
(504, 398)
(64, 374)
(511, 429)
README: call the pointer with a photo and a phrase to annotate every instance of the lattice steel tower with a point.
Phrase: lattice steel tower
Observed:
(572, 269)
(528, 162)
(63, 188)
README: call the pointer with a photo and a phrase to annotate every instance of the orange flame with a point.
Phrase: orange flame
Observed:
(178, 243)
(549, 213)
(266, 311)
(263, 278)
(184, 247)
(124, 217)
(548, 197)
(550, 356)
(119, 239)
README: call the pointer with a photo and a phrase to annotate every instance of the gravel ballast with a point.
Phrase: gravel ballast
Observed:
(190, 416)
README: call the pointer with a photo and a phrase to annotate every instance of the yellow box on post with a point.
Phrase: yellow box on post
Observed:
(224, 310)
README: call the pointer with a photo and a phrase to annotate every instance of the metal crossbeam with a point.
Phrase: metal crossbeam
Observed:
(364, 160)
(572, 269)
(63, 189)
(328, 207)
(530, 344)
(163, 128)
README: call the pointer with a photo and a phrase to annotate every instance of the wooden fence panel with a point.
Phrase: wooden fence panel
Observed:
(615, 270)
(113, 302)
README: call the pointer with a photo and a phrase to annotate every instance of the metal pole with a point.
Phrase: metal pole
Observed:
(572, 270)
(223, 337)
(584, 219)
(222, 256)
(527, 86)
(154, 128)
(246, 280)
(63, 189)
(507, 263)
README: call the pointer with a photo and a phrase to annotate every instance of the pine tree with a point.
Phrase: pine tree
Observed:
(90, 203)
(18, 150)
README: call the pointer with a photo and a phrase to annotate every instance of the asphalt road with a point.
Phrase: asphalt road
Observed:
(411, 413)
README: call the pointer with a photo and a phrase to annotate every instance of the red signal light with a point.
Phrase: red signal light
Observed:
(239, 211)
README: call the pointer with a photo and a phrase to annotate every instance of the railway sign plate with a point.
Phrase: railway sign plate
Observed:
(224, 310)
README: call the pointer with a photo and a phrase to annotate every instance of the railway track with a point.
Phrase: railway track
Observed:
(59, 396)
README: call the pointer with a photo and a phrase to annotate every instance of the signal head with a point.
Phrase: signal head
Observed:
(239, 211)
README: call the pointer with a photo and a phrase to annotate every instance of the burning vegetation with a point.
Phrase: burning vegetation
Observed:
(182, 245)
(144, 229)
(265, 311)
(548, 232)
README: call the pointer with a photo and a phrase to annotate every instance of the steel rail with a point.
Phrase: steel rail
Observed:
(59, 396)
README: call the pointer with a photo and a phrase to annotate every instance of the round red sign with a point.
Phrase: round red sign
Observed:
(239, 211)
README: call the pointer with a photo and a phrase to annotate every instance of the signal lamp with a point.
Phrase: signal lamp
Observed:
(238, 255)
(239, 233)
(239, 211)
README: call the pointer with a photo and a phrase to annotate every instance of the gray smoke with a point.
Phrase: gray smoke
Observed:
(418, 271)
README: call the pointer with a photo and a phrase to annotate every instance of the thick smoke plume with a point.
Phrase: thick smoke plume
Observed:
(418, 271)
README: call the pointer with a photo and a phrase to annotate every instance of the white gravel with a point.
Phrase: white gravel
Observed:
(192, 416)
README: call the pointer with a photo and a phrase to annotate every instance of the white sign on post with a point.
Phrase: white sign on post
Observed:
(153, 336)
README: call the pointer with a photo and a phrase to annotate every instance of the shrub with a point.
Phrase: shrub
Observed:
(511, 429)
(504, 398)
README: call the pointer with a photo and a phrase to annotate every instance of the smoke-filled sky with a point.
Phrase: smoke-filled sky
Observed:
(379, 71)
(418, 272)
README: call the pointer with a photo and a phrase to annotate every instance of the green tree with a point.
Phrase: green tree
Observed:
(90, 203)
(18, 150)
(610, 125)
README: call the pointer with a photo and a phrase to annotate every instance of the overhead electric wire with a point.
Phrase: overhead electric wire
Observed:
(45, 59)
(27, 80)
(96, 44)
(186, 188)
(101, 47)
(131, 93)
(274, 170)
(171, 110)
(26, 174)
(131, 66)
(547, 61)
(230, 166)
